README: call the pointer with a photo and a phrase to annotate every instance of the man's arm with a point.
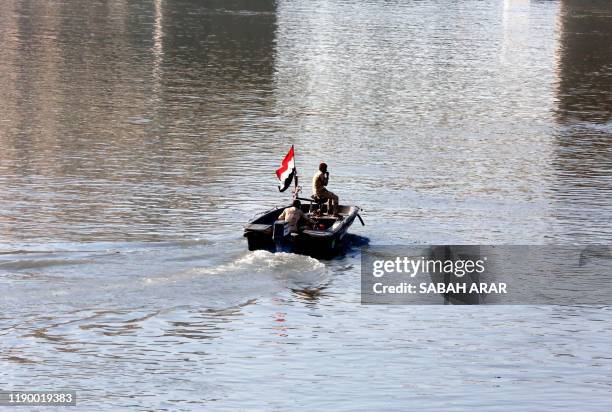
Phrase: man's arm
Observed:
(322, 179)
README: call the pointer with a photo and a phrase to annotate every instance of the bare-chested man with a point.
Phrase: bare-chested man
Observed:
(319, 181)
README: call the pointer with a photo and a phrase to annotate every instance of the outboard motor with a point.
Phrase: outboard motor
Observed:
(281, 236)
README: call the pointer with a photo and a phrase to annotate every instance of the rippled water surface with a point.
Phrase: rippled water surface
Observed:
(137, 137)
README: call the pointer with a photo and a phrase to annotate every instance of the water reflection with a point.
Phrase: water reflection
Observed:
(310, 294)
(158, 48)
(583, 154)
(131, 119)
(584, 83)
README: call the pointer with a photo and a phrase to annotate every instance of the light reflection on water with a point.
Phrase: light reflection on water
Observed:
(138, 137)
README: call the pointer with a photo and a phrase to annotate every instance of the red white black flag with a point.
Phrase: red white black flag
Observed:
(286, 172)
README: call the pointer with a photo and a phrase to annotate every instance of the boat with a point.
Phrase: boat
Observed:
(324, 239)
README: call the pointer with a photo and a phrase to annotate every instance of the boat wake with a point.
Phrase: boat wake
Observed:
(246, 277)
(129, 275)
(277, 263)
(287, 270)
(41, 263)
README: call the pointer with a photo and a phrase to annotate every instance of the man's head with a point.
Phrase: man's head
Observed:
(297, 203)
(323, 167)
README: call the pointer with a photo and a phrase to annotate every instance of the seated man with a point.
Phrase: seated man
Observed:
(293, 215)
(319, 181)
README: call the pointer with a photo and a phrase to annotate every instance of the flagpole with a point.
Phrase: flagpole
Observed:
(295, 189)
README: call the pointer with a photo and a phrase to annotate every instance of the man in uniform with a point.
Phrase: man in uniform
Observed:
(319, 181)
(293, 215)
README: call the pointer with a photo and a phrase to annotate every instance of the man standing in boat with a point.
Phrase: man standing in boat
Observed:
(319, 181)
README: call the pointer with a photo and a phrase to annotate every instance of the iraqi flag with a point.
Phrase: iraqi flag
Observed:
(286, 172)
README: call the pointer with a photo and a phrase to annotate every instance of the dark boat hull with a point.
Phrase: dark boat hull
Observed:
(313, 242)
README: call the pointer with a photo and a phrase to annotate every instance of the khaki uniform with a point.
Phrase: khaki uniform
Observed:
(293, 215)
(319, 181)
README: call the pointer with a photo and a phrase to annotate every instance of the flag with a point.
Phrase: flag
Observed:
(286, 172)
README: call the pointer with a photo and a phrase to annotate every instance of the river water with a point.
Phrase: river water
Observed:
(137, 138)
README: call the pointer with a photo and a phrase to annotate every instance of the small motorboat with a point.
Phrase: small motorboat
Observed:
(324, 239)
